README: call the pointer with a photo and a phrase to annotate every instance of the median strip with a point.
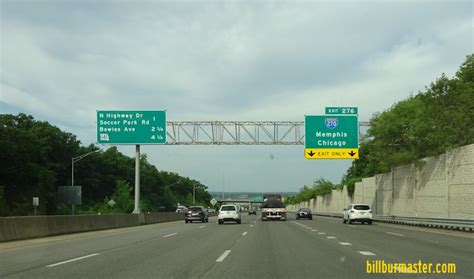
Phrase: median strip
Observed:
(73, 260)
(171, 234)
(223, 256)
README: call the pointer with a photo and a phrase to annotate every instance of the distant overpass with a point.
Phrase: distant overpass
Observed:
(246, 202)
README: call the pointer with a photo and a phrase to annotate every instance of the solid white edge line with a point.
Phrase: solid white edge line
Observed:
(73, 260)
(171, 234)
(223, 256)
(397, 234)
(366, 253)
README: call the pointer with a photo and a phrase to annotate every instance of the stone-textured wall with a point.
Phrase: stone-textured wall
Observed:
(435, 187)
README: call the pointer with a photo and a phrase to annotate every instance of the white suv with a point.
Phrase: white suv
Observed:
(357, 213)
(229, 213)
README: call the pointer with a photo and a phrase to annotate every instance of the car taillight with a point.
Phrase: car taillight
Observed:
(352, 211)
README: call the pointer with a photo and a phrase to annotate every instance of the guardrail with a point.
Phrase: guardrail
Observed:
(450, 224)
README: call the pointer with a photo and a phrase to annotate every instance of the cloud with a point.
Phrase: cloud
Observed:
(62, 61)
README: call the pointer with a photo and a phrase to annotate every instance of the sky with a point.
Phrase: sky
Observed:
(60, 61)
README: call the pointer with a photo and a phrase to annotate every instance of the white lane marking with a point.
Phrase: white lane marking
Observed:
(321, 233)
(331, 237)
(202, 227)
(73, 260)
(352, 226)
(397, 234)
(244, 233)
(251, 226)
(314, 230)
(222, 257)
(171, 234)
(345, 243)
(366, 253)
(309, 228)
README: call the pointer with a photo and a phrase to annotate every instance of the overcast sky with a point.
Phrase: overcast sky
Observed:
(216, 60)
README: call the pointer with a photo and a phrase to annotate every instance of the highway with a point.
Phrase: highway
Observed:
(319, 248)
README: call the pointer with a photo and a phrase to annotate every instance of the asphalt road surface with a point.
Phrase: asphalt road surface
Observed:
(319, 248)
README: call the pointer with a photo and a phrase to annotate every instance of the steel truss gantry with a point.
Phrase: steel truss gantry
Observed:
(237, 132)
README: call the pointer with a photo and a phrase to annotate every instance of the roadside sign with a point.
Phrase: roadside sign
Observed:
(70, 195)
(331, 137)
(35, 201)
(342, 110)
(111, 203)
(131, 127)
(213, 201)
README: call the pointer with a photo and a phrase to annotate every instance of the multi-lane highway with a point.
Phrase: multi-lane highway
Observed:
(318, 248)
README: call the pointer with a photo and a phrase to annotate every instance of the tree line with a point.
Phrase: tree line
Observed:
(35, 158)
(429, 123)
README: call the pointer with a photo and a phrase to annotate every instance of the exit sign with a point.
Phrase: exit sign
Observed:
(131, 127)
(342, 110)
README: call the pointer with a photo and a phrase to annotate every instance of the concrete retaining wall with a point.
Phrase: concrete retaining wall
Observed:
(435, 187)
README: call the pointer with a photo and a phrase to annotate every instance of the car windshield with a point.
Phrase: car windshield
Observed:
(273, 203)
(361, 207)
(228, 208)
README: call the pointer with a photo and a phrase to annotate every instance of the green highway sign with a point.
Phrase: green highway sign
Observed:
(331, 137)
(342, 110)
(131, 127)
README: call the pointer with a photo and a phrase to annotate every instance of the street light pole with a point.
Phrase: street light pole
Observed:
(194, 192)
(75, 160)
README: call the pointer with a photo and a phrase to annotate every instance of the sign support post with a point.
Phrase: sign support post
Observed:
(136, 210)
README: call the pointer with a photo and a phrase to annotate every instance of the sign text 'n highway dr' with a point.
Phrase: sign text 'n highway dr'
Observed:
(131, 127)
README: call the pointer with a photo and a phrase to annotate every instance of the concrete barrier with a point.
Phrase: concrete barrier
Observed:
(15, 228)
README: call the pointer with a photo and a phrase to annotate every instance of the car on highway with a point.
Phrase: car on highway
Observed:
(252, 211)
(357, 213)
(196, 213)
(304, 213)
(229, 213)
(181, 209)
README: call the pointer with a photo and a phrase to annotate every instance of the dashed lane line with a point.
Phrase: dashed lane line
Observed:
(366, 253)
(223, 256)
(73, 260)
(397, 234)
